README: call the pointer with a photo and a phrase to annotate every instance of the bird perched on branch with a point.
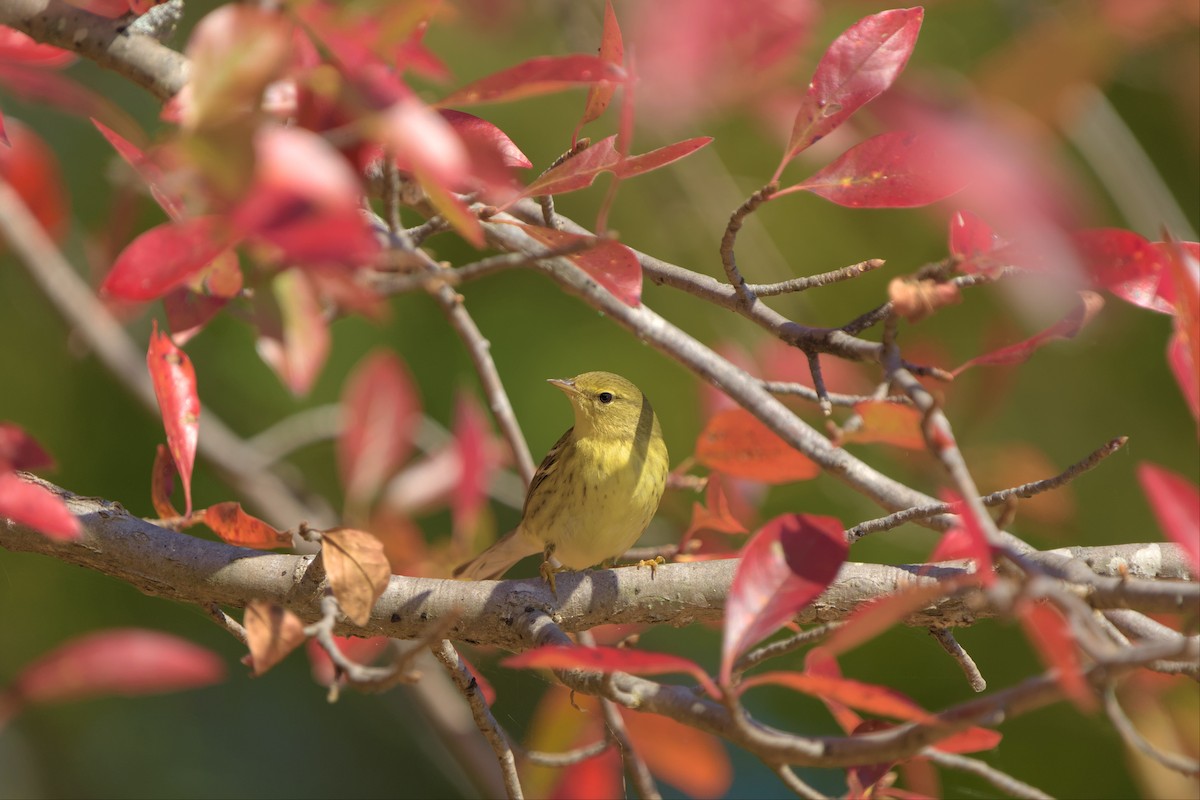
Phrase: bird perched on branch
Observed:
(595, 491)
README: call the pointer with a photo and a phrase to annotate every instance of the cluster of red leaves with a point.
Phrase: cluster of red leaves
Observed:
(27, 503)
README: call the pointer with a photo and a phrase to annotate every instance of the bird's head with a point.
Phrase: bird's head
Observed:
(607, 405)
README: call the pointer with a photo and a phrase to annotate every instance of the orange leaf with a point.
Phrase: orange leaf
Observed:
(271, 632)
(888, 423)
(690, 760)
(1051, 636)
(235, 526)
(714, 515)
(737, 443)
(357, 568)
(863, 696)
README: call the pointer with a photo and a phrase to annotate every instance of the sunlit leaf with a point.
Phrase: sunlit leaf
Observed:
(174, 381)
(358, 570)
(785, 566)
(1126, 264)
(738, 444)
(165, 257)
(892, 170)
(857, 67)
(713, 515)
(235, 526)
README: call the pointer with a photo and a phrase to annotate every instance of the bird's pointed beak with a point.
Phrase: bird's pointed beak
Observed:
(566, 384)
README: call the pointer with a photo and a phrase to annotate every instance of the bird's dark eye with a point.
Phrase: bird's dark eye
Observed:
(605, 397)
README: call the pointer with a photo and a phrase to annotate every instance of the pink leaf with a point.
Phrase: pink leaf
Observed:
(174, 382)
(536, 76)
(122, 662)
(479, 134)
(610, 659)
(35, 507)
(1089, 305)
(17, 47)
(784, 567)
(970, 238)
(145, 168)
(1187, 375)
(891, 170)
(612, 50)
(381, 411)
(860, 65)
(968, 539)
(1126, 264)
(582, 169)
(1176, 506)
(189, 309)
(19, 450)
(1051, 635)
(471, 444)
(297, 343)
(613, 265)
(165, 257)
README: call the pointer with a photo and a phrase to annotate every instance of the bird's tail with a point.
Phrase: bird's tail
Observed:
(496, 560)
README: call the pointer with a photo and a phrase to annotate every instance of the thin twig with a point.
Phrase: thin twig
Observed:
(1025, 490)
(946, 639)
(814, 369)
(1001, 780)
(815, 281)
(227, 622)
(786, 388)
(484, 720)
(1131, 735)
(783, 646)
(728, 258)
(794, 782)
(564, 759)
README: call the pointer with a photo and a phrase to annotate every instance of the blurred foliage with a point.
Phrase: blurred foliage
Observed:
(277, 736)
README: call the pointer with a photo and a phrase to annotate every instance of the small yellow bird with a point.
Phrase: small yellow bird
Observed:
(595, 491)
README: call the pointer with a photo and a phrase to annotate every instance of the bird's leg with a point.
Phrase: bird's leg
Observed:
(548, 570)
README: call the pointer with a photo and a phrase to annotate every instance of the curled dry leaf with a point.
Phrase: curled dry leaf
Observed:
(358, 570)
(271, 632)
(235, 526)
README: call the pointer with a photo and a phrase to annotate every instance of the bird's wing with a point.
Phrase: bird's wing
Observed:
(547, 468)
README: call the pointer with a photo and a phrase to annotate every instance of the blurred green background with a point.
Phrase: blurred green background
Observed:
(277, 736)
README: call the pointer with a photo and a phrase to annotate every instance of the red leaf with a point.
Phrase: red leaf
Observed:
(19, 450)
(188, 310)
(1051, 635)
(613, 265)
(162, 483)
(1126, 264)
(471, 434)
(692, 761)
(784, 567)
(970, 238)
(381, 411)
(871, 619)
(612, 51)
(892, 170)
(1068, 327)
(31, 168)
(145, 168)
(737, 443)
(425, 143)
(1176, 506)
(888, 423)
(297, 343)
(34, 506)
(17, 47)
(123, 662)
(164, 257)
(972, 740)
(968, 539)
(859, 66)
(235, 526)
(1186, 372)
(867, 697)
(598, 778)
(536, 76)
(39, 85)
(174, 382)
(582, 169)
(818, 661)
(610, 659)
(1184, 351)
